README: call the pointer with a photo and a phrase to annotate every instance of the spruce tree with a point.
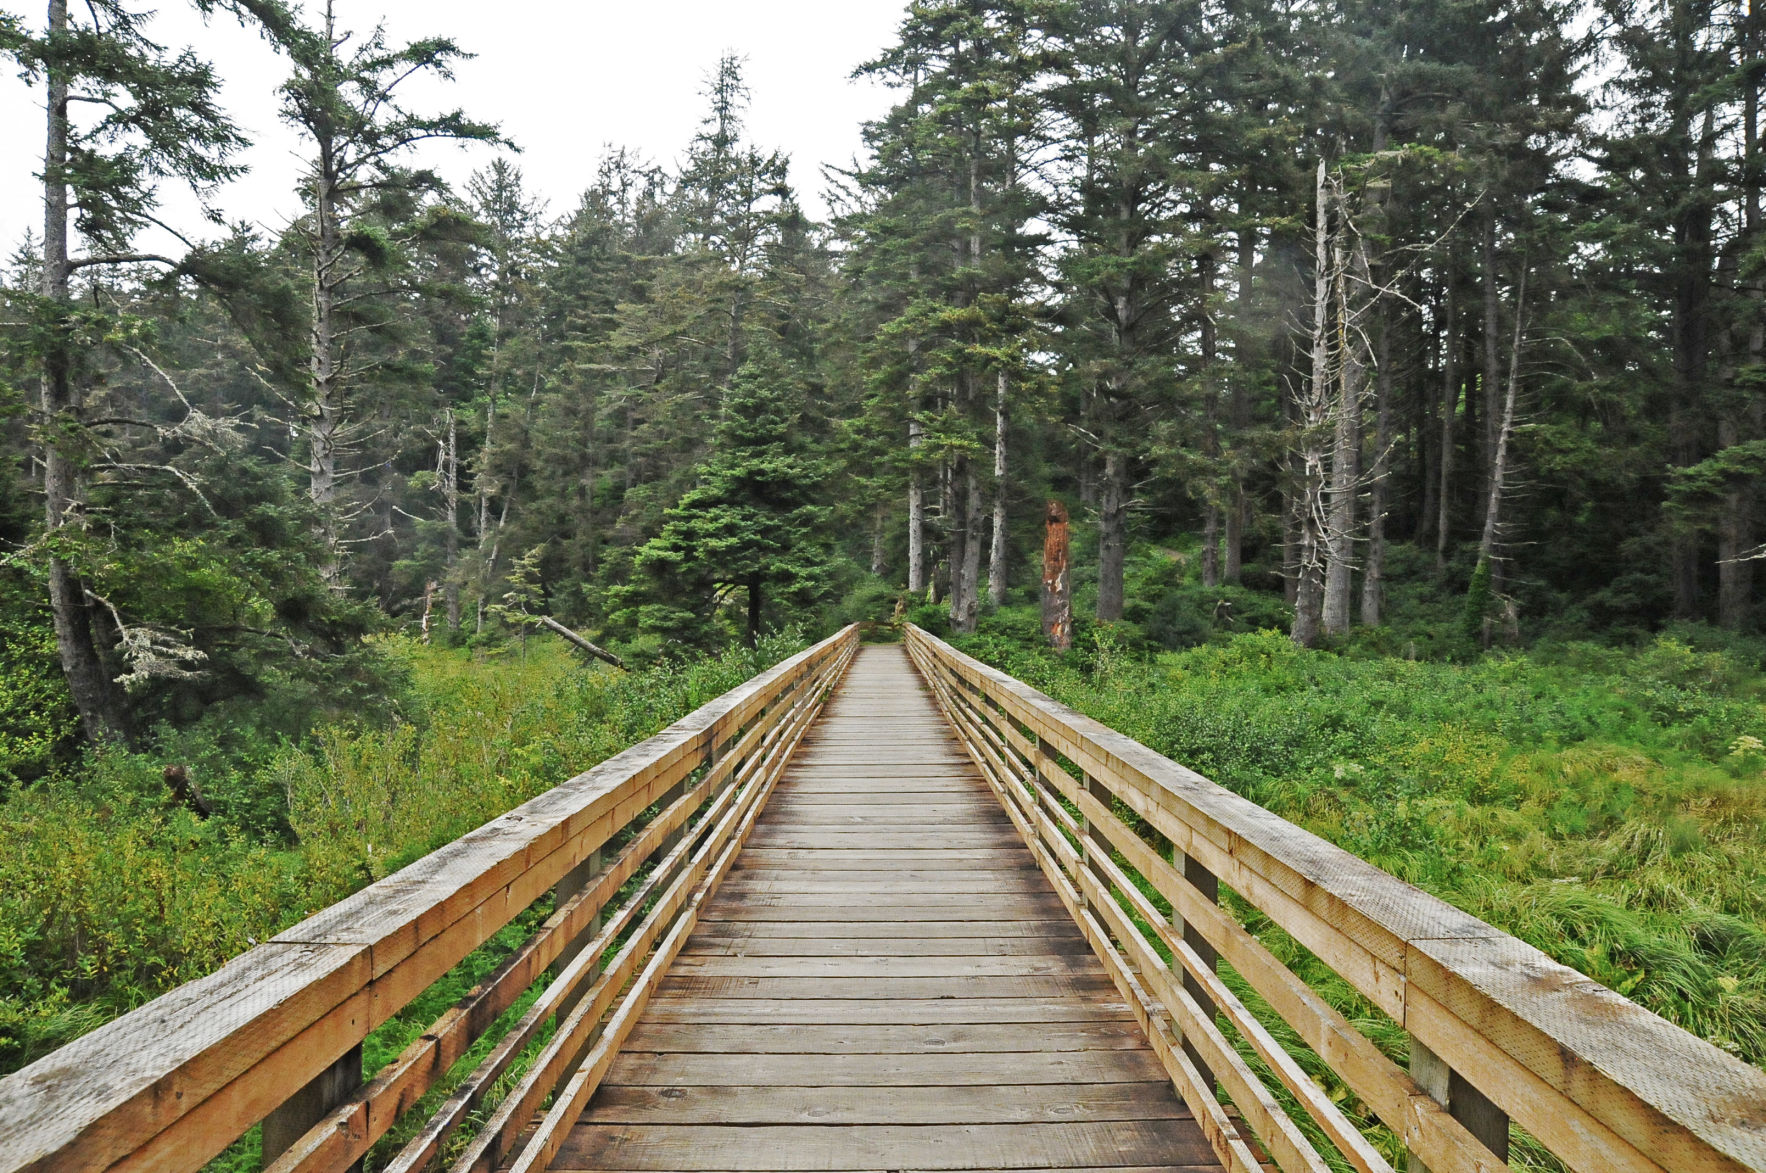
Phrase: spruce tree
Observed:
(158, 121)
(366, 214)
(754, 521)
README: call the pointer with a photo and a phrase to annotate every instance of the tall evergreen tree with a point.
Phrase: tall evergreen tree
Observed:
(754, 520)
(158, 121)
(366, 211)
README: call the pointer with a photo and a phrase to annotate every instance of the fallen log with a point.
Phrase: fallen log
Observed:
(595, 650)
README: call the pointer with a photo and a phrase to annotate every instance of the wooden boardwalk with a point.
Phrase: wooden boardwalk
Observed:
(865, 938)
(885, 982)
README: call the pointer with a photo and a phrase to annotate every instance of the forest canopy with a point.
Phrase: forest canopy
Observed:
(1440, 318)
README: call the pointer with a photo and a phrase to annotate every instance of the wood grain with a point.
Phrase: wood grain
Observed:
(885, 981)
(1598, 1080)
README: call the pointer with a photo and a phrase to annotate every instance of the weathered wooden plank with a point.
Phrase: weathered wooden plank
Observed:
(884, 1012)
(1051, 986)
(1008, 1104)
(705, 965)
(987, 1069)
(875, 840)
(955, 909)
(882, 1039)
(1047, 928)
(886, 817)
(862, 859)
(886, 946)
(804, 883)
(787, 1149)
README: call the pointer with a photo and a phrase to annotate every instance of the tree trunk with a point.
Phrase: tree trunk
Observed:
(326, 410)
(429, 590)
(996, 560)
(965, 547)
(1057, 579)
(957, 548)
(588, 536)
(1291, 484)
(917, 577)
(1425, 434)
(1492, 379)
(1373, 572)
(103, 715)
(1314, 416)
(1449, 409)
(481, 484)
(1239, 413)
(1336, 612)
(1691, 338)
(1112, 535)
(1487, 545)
(1211, 427)
(450, 462)
(879, 540)
(756, 601)
(968, 604)
(1736, 527)
(581, 643)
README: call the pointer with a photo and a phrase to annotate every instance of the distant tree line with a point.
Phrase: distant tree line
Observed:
(1464, 288)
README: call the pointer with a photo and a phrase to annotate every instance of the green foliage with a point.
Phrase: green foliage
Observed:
(1479, 596)
(753, 522)
(112, 893)
(1606, 805)
(37, 721)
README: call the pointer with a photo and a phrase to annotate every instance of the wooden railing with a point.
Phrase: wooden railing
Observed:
(630, 850)
(1497, 1029)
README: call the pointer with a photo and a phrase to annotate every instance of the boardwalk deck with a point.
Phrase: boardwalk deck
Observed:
(885, 982)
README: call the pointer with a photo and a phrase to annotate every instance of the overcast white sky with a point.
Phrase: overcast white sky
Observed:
(563, 77)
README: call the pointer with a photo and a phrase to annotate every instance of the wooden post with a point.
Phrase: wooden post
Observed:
(1465, 1103)
(1091, 843)
(574, 881)
(1057, 582)
(308, 1106)
(1205, 882)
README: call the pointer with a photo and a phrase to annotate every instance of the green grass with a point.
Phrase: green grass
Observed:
(1606, 805)
(111, 894)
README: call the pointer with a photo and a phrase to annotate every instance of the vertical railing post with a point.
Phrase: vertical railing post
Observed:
(1465, 1103)
(305, 1108)
(1092, 844)
(1047, 761)
(574, 881)
(1207, 885)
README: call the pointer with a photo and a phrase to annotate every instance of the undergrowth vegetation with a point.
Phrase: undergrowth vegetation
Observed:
(112, 891)
(1607, 805)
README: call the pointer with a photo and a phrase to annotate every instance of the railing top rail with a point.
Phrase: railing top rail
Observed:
(330, 979)
(1524, 1028)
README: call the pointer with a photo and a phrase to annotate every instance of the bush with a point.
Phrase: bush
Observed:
(111, 892)
(1606, 805)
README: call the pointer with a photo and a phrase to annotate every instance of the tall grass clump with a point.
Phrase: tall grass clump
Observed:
(1606, 805)
(112, 892)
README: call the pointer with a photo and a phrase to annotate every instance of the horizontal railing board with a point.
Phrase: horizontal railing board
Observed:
(1673, 1097)
(111, 1092)
(128, 1080)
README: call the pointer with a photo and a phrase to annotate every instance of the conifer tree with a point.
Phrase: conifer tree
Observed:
(156, 120)
(754, 520)
(366, 212)
(957, 149)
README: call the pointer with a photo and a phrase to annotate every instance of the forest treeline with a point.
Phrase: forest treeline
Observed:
(1302, 299)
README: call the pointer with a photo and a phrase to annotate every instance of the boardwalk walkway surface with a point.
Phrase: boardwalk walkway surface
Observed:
(878, 910)
(885, 982)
